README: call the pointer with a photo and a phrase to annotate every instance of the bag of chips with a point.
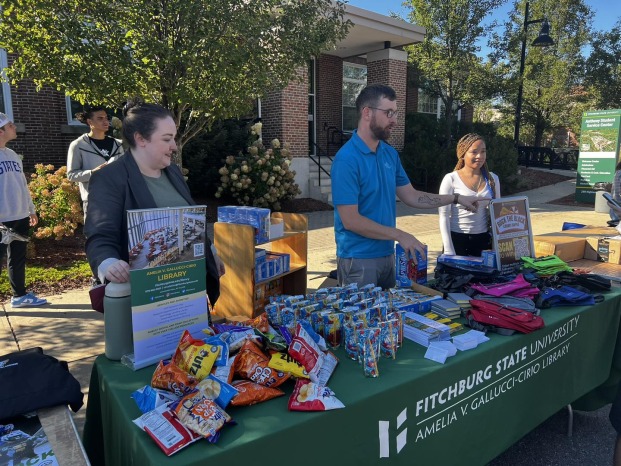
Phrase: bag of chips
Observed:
(309, 396)
(168, 376)
(251, 393)
(195, 356)
(166, 430)
(253, 364)
(221, 392)
(202, 415)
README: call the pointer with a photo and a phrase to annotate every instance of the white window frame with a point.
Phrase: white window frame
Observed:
(6, 87)
(351, 80)
(71, 118)
(439, 107)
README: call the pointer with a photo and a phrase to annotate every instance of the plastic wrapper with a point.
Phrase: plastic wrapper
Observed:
(260, 322)
(285, 334)
(332, 329)
(308, 396)
(148, 398)
(220, 341)
(250, 393)
(221, 328)
(237, 339)
(253, 364)
(305, 351)
(272, 341)
(227, 372)
(201, 414)
(168, 376)
(399, 317)
(195, 356)
(379, 313)
(321, 343)
(368, 346)
(285, 363)
(327, 369)
(219, 391)
(389, 338)
(350, 341)
(166, 430)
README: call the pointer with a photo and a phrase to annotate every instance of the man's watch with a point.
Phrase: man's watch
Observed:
(455, 198)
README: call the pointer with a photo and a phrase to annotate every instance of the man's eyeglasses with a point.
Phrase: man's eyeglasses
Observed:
(389, 113)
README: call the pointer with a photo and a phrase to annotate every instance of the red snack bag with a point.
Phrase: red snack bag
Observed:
(251, 393)
(169, 377)
(166, 430)
(253, 364)
(309, 396)
(305, 351)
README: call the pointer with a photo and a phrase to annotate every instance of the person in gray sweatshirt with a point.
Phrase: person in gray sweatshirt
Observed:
(17, 215)
(91, 151)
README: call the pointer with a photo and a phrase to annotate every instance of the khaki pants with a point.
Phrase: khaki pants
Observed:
(379, 271)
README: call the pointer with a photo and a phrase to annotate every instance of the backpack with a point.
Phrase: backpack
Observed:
(502, 319)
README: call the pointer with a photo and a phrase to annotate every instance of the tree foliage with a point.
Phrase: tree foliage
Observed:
(203, 59)
(446, 61)
(603, 68)
(552, 75)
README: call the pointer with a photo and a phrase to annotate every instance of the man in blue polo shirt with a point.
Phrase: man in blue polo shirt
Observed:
(366, 175)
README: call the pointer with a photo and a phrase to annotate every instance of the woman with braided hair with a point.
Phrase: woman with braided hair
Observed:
(467, 233)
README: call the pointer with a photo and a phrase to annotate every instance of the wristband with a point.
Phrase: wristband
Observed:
(455, 198)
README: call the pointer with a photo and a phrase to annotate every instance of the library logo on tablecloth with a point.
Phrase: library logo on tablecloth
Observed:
(384, 435)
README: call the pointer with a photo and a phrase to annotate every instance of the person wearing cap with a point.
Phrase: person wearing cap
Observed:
(467, 233)
(368, 178)
(91, 151)
(17, 212)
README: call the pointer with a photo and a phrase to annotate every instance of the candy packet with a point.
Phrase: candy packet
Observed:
(309, 396)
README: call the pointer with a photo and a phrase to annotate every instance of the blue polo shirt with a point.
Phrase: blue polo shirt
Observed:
(367, 179)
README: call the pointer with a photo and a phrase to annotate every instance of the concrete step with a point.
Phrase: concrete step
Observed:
(324, 182)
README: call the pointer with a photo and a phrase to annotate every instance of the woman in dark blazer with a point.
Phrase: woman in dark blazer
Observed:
(142, 178)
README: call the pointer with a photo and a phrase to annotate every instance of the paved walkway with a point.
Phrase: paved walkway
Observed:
(69, 330)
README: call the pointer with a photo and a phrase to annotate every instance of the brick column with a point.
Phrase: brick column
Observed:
(329, 98)
(284, 114)
(389, 66)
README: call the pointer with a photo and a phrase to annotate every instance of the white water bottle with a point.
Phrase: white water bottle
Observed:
(118, 332)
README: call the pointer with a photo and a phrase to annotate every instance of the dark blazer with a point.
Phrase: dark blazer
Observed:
(117, 188)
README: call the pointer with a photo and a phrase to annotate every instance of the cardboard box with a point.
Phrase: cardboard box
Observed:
(277, 228)
(406, 271)
(565, 247)
(603, 249)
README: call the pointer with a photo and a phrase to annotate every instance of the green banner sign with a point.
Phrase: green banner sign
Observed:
(599, 152)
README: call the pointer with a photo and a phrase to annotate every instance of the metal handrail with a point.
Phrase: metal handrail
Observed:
(317, 160)
(547, 157)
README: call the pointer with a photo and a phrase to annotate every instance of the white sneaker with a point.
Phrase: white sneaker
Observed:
(28, 300)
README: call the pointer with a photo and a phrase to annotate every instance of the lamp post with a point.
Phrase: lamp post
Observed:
(544, 40)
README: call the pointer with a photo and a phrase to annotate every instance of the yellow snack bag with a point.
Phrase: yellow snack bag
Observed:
(195, 356)
(285, 363)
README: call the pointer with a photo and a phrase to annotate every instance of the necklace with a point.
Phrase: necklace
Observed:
(475, 187)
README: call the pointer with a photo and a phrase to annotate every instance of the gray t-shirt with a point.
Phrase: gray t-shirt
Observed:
(163, 192)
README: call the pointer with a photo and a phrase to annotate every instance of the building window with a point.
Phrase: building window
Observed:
(433, 105)
(6, 105)
(354, 80)
(73, 107)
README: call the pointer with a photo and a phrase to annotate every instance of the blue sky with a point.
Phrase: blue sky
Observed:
(607, 12)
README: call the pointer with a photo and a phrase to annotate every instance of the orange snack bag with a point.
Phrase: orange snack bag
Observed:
(253, 364)
(168, 376)
(251, 393)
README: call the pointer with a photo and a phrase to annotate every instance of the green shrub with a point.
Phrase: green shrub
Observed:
(261, 176)
(57, 202)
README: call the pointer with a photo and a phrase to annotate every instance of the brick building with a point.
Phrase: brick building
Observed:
(314, 114)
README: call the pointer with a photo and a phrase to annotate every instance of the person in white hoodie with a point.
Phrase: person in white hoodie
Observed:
(91, 151)
(17, 212)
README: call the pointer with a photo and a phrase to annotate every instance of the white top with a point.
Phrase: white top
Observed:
(455, 218)
(15, 200)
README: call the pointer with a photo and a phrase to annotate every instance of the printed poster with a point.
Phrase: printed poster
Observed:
(512, 232)
(23, 442)
(599, 153)
(167, 270)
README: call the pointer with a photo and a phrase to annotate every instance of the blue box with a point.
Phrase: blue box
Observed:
(406, 271)
(460, 260)
(257, 217)
(489, 258)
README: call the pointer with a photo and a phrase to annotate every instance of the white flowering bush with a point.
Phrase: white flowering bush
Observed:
(260, 177)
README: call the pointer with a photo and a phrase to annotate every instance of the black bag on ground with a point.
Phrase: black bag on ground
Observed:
(31, 380)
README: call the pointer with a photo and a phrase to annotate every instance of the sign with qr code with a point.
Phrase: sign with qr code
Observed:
(168, 277)
(512, 232)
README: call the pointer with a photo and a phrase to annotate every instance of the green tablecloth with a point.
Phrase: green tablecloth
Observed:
(465, 412)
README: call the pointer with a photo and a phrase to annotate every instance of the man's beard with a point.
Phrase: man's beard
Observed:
(380, 133)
